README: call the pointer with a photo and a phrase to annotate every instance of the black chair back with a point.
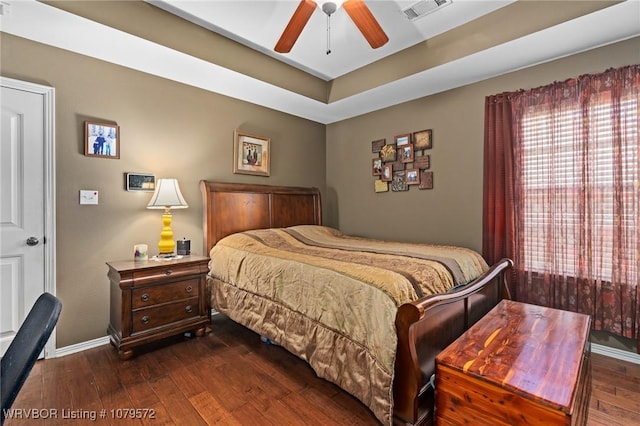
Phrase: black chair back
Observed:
(23, 352)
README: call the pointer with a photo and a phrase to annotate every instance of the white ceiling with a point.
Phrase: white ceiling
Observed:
(259, 24)
(43, 23)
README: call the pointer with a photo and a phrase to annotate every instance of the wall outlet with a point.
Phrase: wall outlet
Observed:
(88, 196)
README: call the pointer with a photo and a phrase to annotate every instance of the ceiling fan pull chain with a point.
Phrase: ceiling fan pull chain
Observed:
(328, 34)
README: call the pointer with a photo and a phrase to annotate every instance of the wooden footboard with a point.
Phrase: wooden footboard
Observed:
(427, 326)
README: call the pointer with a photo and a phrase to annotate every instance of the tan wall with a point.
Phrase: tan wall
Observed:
(451, 213)
(168, 129)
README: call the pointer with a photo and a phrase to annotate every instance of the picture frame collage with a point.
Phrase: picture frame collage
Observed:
(403, 163)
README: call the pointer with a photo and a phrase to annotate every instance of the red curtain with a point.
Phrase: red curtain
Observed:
(498, 213)
(565, 205)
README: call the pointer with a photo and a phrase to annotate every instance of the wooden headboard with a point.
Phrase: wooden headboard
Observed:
(236, 207)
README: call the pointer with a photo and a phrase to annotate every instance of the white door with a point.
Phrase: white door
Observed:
(26, 210)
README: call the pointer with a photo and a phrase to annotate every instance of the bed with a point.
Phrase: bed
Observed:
(275, 269)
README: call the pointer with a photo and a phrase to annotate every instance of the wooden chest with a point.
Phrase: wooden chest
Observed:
(519, 365)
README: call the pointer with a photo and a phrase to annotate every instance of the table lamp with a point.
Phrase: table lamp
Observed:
(167, 196)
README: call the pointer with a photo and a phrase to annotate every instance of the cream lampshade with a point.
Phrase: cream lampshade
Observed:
(167, 196)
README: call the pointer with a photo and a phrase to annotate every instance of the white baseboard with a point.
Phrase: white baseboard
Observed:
(79, 347)
(615, 353)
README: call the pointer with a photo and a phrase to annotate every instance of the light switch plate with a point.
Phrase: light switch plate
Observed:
(88, 196)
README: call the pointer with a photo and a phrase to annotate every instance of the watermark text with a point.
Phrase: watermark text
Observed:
(78, 414)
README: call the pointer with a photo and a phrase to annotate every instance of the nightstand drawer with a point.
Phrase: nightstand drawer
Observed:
(153, 295)
(157, 316)
(145, 277)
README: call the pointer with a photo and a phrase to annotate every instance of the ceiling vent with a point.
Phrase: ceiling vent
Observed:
(424, 7)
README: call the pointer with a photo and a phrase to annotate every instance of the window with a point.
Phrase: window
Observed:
(580, 187)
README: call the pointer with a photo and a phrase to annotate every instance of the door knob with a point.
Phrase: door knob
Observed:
(32, 241)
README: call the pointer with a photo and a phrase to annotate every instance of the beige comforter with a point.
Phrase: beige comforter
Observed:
(331, 299)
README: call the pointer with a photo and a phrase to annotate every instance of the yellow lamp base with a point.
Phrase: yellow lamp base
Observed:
(166, 245)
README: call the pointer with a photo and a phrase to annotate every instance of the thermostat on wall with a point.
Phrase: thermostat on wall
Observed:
(88, 196)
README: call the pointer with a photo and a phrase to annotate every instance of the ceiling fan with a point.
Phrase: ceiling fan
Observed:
(357, 11)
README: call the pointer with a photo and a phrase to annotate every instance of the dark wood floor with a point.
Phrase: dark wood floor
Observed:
(229, 377)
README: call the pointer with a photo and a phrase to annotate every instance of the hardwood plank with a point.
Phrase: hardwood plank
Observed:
(99, 358)
(248, 414)
(282, 414)
(270, 363)
(214, 380)
(186, 379)
(178, 406)
(620, 409)
(142, 395)
(318, 411)
(84, 394)
(615, 392)
(599, 418)
(52, 397)
(159, 416)
(118, 400)
(211, 411)
(627, 404)
(147, 365)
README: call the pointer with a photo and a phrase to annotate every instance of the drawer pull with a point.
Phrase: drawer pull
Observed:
(189, 289)
(144, 297)
(188, 309)
(145, 319)
(169, 272)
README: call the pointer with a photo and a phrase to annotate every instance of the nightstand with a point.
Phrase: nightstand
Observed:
(151, 300)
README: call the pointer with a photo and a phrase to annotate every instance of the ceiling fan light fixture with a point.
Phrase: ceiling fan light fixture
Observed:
(329, 7)
(357, 11)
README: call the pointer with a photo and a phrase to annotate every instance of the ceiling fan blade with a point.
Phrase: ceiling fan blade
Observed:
(366, 22)
(295, 26)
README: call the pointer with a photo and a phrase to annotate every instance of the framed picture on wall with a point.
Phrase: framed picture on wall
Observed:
(398, 182)
(422, 161)
(377, 166)
(377, 145)
(101, 140)
(406, 153)
(388, 153)
(251, 154)
(422, 139)
(380, 186)
(387, 173)
(412, 176)
(426, 180)
(402, 140)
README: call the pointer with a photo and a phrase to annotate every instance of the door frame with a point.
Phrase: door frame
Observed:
(48, 99)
